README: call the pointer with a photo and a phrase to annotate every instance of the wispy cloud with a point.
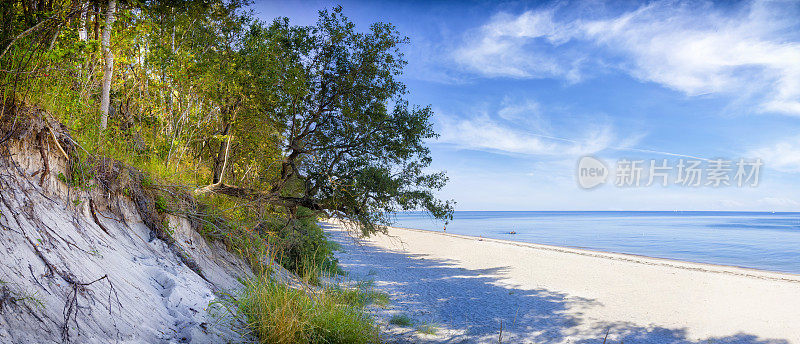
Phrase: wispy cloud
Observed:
(525, 127)
(694, 48)
(504, 47)
(783, 156)
(531, 135)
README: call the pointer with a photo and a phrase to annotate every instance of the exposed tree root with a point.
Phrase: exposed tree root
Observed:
(45, 160)
(93, 210)
(33, 126)
(71, 307)
(111, 174)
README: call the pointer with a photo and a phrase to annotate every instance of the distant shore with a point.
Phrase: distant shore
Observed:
(544, 293)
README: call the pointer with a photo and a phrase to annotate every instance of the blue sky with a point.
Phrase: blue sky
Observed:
(522, 90)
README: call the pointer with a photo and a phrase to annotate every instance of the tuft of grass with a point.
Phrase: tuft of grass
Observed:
(280, 314)
(363, 294)
(362, 298)
(427, 328)
(401, 320)
(380, 299)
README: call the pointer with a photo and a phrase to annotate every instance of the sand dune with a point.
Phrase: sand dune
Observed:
(468, 286)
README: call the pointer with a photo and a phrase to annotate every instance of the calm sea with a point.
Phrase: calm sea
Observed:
(768, 241)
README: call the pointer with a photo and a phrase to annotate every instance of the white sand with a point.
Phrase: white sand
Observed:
(547, 294)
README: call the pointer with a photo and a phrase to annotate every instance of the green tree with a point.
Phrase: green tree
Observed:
(352, 145)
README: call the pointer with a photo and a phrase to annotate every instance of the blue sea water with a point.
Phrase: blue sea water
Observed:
(767, 241)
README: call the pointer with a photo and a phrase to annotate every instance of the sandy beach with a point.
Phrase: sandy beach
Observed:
(469, 288)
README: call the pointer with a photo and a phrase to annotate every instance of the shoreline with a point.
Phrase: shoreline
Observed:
(474, 286)
(635, 258)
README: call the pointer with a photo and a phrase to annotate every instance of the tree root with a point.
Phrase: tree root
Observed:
(71, 307)
(55, 140)
(45, 162)
(93, 210)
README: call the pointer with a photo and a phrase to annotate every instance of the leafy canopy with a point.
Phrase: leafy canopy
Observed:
(352, 144)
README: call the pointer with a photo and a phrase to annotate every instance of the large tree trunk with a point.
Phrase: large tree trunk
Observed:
(265, 197)
(222, 156)
(108, 69)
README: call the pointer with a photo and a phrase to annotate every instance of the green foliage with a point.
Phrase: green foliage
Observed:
(227, 220)
(80, 175)
(355, 146)
(363, 294)
(161, 204)
(280, 314)
(315, 115)
(427, 328)
(167, 227)
(316, 118)
(401, 320)
(253, 232)
(404, 320)
(301, 245)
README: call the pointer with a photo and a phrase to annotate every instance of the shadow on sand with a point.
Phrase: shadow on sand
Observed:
(468, 306)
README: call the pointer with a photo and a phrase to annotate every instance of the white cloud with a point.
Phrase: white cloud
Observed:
(524, 111)
(502, 47)
(484, 133)
(694, 48)
(782, 156)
